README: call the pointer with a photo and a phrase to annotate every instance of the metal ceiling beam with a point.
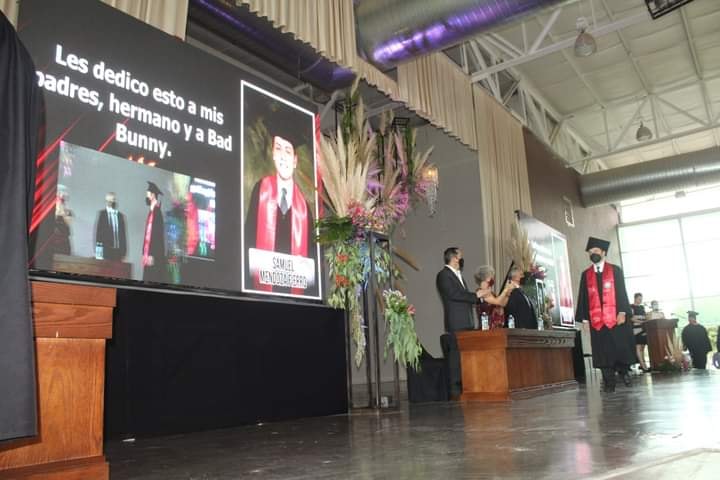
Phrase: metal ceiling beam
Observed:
(630, 99)
(699, 72)
(648, 143)
(546, 29)
(560, 45)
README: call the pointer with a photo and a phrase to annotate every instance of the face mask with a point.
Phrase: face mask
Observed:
(461, 263)
(491, 282)
(147, 201)
(595, 257)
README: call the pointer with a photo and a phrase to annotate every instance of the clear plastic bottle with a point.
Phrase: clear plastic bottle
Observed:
(484, 321)
(541, 324)
(99, 250)
(511, 321)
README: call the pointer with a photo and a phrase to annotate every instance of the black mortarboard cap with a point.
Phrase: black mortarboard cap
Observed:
(597, 243)
(692, 313)
(152, 188)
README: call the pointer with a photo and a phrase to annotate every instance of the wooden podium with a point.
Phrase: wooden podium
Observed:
(71, 324)
(657, 335)
(506, 363)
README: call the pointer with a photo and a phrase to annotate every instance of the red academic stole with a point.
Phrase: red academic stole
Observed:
(148, 236)
(267, 224)
(605, 314)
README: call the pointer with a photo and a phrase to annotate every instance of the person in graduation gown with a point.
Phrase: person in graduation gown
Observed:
(458, 303)
(279, 218)
(695, 339)
(154, 260)
(603, 303)
(519, 305)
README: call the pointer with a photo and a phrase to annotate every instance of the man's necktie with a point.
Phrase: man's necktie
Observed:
(116, 243)
(283, 202)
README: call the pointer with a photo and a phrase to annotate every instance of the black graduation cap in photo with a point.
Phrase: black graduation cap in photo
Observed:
(279, 118)
(152, 188)
(692, 313)
(593, 242)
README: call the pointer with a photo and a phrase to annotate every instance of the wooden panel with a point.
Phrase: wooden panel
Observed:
(50, 292)
(54, 320)
(657, 331)
(482, 340)
(532, 367)
(484, 371)
(95, 468)
(520, 338)
(71, 375)
(91, 266)
(502, 364)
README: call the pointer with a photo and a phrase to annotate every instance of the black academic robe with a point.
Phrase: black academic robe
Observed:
(157, 272)
(611, 347)
(522, 310)
(696, 340)
(21, 116)
(104, 234)
(283, 235)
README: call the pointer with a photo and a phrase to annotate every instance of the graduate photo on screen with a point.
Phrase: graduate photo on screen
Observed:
(279, 199)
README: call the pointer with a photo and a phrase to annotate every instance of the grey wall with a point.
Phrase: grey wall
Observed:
(550, 180)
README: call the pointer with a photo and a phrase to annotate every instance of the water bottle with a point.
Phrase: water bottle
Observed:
(98, 251)
(484, 321)
(541, 324)
(511, 321)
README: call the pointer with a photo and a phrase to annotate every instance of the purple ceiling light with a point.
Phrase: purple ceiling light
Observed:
(392, 31)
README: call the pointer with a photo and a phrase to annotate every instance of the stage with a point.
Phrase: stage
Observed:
(663, 425)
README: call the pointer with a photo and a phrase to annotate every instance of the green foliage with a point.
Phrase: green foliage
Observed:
(346, 278)
(400, 327)
(333, 229)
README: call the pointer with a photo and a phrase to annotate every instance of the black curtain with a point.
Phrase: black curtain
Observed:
(20, 119)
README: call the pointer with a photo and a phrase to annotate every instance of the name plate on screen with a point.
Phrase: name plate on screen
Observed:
(280, 269)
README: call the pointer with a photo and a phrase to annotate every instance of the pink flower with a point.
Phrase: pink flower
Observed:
(411, 309)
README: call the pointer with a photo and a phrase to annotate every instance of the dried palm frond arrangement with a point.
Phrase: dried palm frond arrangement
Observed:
(520, 250)
(367, 188)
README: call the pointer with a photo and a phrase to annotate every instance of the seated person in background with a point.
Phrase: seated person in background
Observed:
(519, 305)
(489, 303)
(638, 319)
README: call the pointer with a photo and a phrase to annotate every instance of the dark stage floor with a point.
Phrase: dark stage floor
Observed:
(665, 427)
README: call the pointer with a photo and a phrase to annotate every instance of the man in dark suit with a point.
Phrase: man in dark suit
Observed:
(458, 304)
(110, 230)
(519, 305)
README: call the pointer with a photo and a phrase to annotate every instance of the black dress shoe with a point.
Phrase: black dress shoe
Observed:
(626, 379)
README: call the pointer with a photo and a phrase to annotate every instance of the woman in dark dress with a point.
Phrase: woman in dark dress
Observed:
(638, 318)
(489, 303)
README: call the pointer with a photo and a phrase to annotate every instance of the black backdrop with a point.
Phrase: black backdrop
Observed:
(180, 363)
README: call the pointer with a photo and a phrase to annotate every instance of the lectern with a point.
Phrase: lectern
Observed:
(507, 363)
(657, 337)
(71, 326)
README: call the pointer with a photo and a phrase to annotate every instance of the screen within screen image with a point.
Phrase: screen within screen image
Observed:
(161, 162)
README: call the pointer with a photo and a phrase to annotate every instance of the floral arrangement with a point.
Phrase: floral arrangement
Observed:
(368, 188)
(400, 325)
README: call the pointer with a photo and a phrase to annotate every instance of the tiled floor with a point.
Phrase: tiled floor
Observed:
(665, 426)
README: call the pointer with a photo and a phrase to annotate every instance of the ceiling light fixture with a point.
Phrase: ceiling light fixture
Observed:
(585, 44)
(643, 133)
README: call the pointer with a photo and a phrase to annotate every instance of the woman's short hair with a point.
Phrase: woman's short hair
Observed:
(483, 273)
(515, 269)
